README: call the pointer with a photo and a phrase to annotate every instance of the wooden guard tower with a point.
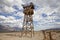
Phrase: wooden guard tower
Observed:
(28, 27)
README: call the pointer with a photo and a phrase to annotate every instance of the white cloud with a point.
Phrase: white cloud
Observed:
(20, 14)
(7, 5)
(11, 21)
(6, 19)
(8, 2)
(11, 18)
(8, 9)
(36, 16)
(47, 6)
(45, 3)
(2, 17)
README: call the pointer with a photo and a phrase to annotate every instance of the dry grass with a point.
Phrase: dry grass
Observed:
(37, 36)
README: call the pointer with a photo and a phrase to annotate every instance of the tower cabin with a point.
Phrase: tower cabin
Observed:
(28, 9)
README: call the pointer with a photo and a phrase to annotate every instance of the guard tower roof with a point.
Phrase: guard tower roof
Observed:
(28, 4)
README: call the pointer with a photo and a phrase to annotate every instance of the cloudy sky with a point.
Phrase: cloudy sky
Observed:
(46, 13)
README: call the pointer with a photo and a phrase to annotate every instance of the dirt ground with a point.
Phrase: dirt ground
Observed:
(37, 36)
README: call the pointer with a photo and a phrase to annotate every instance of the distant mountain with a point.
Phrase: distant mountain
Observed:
(7, 28)
(3, 28)
(53, 29)
(17, 29)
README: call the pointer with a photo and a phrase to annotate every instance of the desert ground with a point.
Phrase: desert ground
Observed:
(38, 35)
